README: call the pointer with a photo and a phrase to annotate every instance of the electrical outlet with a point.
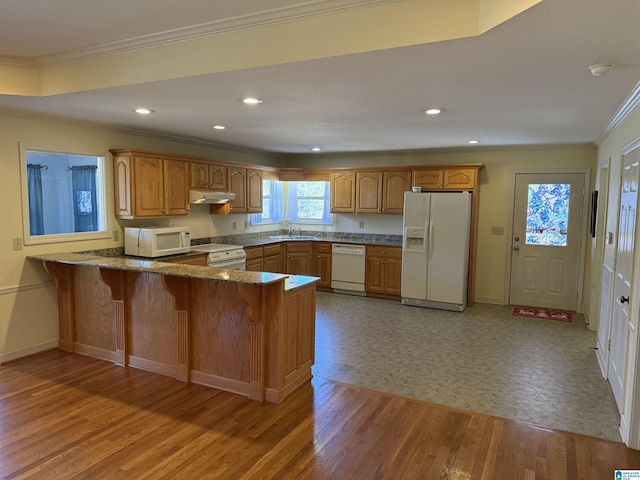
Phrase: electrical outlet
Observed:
(361, 224)
(17, 243)
(234, 226)
(116, 235)
(497, 230)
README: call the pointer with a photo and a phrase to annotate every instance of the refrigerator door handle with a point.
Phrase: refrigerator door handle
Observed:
(430, 239)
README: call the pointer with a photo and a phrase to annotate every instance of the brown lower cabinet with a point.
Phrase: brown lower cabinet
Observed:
(254, 258)
(322, 263)
(190, 260)
(297, 258)
(272, 258)
(383, 274)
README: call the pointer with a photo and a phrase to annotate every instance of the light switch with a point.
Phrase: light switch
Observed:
(497, 230)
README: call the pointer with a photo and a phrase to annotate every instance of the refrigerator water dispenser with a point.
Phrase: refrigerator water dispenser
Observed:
(414, 239)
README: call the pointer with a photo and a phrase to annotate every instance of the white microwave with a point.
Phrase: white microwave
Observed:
(156, 241)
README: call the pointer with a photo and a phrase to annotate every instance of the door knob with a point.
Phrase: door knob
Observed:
(624, 299)
(517, 239)
(516, 247)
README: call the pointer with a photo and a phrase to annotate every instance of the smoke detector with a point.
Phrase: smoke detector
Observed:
(601, 69)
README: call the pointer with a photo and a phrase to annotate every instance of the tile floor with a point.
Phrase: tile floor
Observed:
(485, 360)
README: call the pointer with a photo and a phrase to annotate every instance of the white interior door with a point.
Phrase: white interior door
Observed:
(622, 279)
(547, 234)
(602, 292)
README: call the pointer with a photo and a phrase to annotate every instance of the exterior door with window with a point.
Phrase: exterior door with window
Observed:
(547, 234)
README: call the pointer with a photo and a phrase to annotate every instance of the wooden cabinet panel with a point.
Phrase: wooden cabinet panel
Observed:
(272, 249)
(254, 191)
(123, 186)
(191, 260)
(272, 264)
(254, 259)
(299, 333)
(149, 187)
(253, 253)
(256, 265)
(297, 259)
(383, 270)
(322, 263)
(238, 185)
(382, 192)
(393, 275)
(395, 184)
(199, 175)
(208, 176)
(343, 192)
(272, 260)
(374, 274)
(460, 179)
(368, 192)
(247, 185)
(176, 191)
(446, 178)
(428, 179)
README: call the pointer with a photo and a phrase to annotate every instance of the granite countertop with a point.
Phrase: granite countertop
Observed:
(255, 239)
(135, 264)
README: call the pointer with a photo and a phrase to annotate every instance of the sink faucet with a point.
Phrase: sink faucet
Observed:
(293, 230)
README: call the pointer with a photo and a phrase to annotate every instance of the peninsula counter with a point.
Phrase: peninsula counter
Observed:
(251, 333)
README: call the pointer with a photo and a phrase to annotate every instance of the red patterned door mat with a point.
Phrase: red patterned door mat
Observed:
(541, 313)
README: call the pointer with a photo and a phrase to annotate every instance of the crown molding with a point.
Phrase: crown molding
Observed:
(308, 9)
(632, 101)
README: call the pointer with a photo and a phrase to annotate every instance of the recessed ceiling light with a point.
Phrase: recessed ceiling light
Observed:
(433, 111)
(315, 149)
(473, 142)
(219, 127)
(143, 111)
(252, 100)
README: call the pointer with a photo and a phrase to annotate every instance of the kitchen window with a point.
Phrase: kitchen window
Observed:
(63, 195)
(308, 202)
(272, 203)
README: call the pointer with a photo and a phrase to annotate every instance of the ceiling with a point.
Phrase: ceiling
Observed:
(328, 80)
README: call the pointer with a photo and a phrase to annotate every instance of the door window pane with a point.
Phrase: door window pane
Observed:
(548, 214)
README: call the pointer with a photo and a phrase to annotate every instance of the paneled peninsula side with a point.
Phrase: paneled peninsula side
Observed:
(250, 333)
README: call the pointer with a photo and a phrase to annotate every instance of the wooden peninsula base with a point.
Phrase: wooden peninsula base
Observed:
(250, 333)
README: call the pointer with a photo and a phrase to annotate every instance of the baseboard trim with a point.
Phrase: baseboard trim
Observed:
(25, 352)
(491, 300)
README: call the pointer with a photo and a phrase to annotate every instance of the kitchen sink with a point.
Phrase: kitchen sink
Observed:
(292, 237)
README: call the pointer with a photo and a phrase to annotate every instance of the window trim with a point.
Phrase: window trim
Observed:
(101, 185)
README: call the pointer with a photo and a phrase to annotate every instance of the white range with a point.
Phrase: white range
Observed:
(222, 255)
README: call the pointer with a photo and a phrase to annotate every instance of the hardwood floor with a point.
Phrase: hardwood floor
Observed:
(65, 416)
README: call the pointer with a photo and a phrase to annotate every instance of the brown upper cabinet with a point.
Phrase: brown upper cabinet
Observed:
(149, 186)
(382, 192)
(208, 176)
(254, 190)
(246, 183)
(446, 178)
(343, 192)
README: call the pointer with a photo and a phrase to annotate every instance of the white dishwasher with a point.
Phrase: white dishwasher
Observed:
(347, 268)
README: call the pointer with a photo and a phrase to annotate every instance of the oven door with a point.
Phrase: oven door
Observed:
(230, 264)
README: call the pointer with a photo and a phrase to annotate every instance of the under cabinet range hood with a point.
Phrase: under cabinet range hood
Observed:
(205, 196)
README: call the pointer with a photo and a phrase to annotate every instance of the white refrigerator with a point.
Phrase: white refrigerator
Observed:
(435, 249)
